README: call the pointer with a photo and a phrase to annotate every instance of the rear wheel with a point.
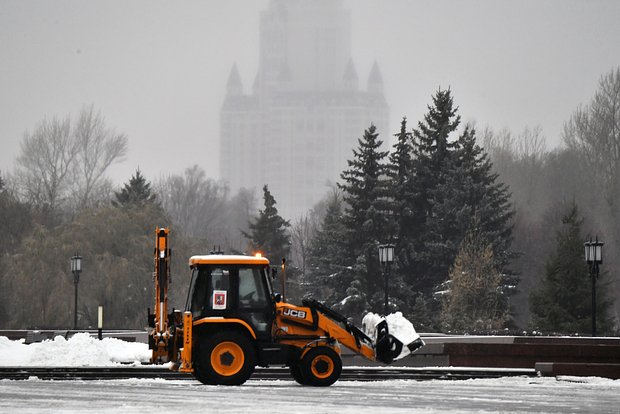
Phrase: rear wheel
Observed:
(225, 358)
(321, 367)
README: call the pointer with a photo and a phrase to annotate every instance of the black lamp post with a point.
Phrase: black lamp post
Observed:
(386, 257)
(594, 257)
(76, 268)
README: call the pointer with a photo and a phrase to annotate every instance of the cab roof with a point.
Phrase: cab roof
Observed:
(227, 259)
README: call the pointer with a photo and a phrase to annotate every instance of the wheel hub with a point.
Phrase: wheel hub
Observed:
(227, 358)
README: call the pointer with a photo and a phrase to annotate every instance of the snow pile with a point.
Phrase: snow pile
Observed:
(401, 328)
(80, 350)
(369, 325)
(398, 326)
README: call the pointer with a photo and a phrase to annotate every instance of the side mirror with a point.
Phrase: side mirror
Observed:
(277, 298)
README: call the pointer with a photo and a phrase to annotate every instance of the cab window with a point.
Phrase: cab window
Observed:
(251, 288)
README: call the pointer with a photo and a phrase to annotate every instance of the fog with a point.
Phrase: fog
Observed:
(157, 70)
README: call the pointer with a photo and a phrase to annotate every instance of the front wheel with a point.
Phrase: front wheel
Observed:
(321, 367)
(225, 358)
(298, 374)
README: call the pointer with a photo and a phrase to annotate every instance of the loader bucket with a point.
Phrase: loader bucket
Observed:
(388, 347)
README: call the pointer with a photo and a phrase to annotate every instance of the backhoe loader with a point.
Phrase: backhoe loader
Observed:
(233, 321)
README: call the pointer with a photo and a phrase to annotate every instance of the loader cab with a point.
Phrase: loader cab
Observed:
(227, 286)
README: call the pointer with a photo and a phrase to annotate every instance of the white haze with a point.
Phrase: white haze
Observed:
(157, 70)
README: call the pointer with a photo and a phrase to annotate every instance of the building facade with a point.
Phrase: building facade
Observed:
(297, 127)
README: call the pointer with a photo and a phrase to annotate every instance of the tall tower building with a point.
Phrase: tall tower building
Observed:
(297, 127)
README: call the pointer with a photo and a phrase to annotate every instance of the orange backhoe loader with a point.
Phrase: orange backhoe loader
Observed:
(233, 321)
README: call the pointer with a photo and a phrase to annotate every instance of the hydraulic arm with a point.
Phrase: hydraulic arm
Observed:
(160, 333)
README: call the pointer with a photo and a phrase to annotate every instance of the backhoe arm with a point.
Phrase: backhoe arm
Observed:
(160, 333)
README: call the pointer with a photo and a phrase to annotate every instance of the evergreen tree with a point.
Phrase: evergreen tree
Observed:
(427, 264)
(268, 233)
(492, 209)
(366, 219)
(136, 193)
(330, 274)
(473, 301)
(487, 198)
(401, 190)
(401, 187)
(471, 199)
(452, 189)
(420, 314)
(563, 303)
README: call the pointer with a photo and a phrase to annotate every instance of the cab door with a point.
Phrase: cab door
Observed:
(254, 300)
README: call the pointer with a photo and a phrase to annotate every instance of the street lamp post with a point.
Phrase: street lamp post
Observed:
(594, 257)
(76, 268)
(386, 257)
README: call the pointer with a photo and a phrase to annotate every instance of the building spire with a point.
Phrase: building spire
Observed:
(234, 85)
(375, 80)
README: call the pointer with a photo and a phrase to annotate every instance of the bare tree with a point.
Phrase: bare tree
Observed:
(302, 231)
(594, 132)
(529, 146)
(45, 162)
(63, 164)
(519, 160)
(194, 203)
(98, 147)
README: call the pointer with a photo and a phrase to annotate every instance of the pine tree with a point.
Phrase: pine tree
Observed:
(452, 190)
(471, 199)
(136, 193)
(400, 184)
(268, 233)
(429, 250)
(487, 198)
(366, 219)
(563, 304)
(401, 190)
(330, 274)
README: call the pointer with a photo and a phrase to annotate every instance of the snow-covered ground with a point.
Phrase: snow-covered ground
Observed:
(521, 394)
(526, 395)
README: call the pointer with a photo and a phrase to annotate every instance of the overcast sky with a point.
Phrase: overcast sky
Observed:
(157, 70)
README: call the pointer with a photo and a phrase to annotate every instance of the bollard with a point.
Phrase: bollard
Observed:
(100, 323)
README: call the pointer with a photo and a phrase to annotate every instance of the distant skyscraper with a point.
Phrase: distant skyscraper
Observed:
(297, 128)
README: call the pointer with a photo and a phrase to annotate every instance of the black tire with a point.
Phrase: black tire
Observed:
(224, 358)
(321, 366)
(297, 373)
